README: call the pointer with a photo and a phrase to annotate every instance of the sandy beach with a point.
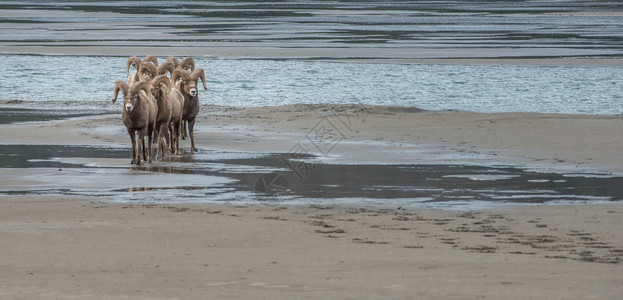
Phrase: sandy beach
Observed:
(71, 248)
(450, 204)
(79, 247)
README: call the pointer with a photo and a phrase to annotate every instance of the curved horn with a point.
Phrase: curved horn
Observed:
(179, 73)
(164, 67)
(187, 63)
(173, 60)
(198, 74)
(161, 79)
(146, 68)
(141, 85)
(132, 61)
(119, 85)
(152, 59)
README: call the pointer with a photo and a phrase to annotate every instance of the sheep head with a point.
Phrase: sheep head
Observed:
(173, 60)
(132, 61)
(132, 97)
(151, 58)
(164, 67)
(160, 86)
(131, 94)
(146, 71)
(189, 81)
(187, 63)
(180, 74)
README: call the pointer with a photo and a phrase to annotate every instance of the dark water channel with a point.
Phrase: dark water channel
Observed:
(236, 177)
(20, 115)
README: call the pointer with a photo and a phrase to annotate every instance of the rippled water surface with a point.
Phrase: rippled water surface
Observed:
(317, 29)
(244, 178)
(244, 83)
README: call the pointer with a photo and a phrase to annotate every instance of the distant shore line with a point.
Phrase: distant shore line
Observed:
(540, 61)
(103, 107)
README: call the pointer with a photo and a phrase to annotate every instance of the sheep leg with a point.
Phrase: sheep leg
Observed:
(150, 130)
(191, 125)
(141, 147)
(156, 134)
(184, 132)
(168, 139)
(178, 132)
(173, 138)
(132, 138)
(162, 143)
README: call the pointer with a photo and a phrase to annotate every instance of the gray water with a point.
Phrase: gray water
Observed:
(370, 29)
(291, 41)
(236, 178)
(248, 83)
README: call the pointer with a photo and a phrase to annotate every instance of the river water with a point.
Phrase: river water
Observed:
(245, 83)
(258, 53)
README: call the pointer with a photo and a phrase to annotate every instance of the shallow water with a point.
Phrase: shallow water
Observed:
(20, 115)
(248, 83)
(319, 30)
(246, 178)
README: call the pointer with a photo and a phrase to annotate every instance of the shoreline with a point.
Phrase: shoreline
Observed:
(303, 55)
(539, 141)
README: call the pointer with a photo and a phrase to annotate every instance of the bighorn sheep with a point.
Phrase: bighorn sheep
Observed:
(146, 71)
(138, 114)
(177, 110)
(187, 63)
(164, 67)
(173, 60)
(188, 87)
(135, 62)
(170, 107)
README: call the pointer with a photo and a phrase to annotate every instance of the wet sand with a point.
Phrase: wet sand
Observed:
(370, 134)
(64, 247)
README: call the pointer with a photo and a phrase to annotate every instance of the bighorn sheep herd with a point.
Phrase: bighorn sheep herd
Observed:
(154, 104)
